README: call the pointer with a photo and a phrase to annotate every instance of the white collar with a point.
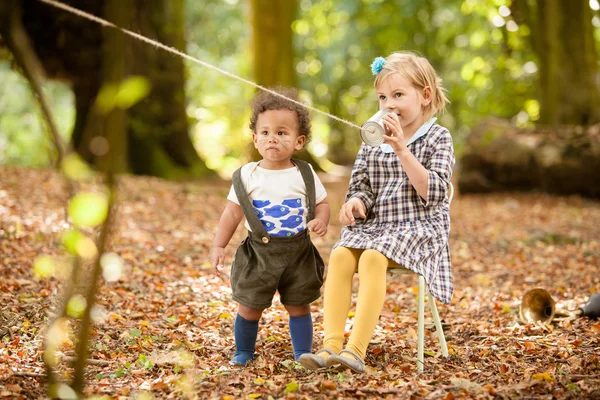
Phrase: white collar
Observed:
(386, 148)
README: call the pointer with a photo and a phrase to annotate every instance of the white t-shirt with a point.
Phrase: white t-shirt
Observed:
(278, 197)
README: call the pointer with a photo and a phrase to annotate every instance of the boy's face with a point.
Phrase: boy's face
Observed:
(276, 138)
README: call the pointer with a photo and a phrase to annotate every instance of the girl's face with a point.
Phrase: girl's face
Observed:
(398, 94)
(276, 138)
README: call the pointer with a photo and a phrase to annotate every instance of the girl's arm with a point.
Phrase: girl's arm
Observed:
(432, 180)
(360, 184)
(417, 173)
(230, 219)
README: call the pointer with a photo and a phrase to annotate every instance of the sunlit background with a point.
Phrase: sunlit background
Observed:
(476, 46)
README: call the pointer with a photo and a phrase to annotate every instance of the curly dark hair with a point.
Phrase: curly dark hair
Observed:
(265, 101)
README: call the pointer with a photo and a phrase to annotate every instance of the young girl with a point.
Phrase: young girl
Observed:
(283, 200)
(396, 209)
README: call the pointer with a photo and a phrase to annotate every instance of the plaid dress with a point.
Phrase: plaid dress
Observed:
(400, 224)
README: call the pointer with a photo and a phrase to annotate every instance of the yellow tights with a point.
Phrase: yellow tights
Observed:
(343, 263)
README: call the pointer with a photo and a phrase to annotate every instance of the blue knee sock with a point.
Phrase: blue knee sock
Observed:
(245, 333)
(301, 330)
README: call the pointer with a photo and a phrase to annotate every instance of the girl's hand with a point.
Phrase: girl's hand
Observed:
(351, 209)
(395, 136)
(317, 226)
(217, 258)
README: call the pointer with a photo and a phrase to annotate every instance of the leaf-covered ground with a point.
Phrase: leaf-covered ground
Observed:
(167, 326)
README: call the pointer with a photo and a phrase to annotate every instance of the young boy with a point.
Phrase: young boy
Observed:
(283, 200)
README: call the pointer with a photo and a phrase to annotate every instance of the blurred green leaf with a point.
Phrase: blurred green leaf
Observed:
(76, 306)
(74, 168)
(88, 209)
(291, 387)
(135, 332)
(43, 266)
(131, 91)
(71, 240)
(107, 98)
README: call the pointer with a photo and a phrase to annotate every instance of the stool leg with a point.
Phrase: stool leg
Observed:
(438, 326)
(421, 324)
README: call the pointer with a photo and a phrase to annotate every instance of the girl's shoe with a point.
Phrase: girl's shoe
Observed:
(313, 361)
(356, 363)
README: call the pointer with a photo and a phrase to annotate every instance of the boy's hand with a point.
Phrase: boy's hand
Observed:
(217, 258)
(351, 209)
(317, 226)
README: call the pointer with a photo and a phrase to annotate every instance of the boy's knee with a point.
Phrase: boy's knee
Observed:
(248, 313)
(298, 311)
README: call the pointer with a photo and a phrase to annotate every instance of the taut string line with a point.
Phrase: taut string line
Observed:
(172, 50)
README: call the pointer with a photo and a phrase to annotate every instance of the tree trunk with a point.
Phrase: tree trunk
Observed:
(501, 157)
(159, 131)
(272, 43)
(273, 50)
(70, 48)
(113, 70)
(563, 39)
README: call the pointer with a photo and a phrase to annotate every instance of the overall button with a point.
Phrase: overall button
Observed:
(265, 239)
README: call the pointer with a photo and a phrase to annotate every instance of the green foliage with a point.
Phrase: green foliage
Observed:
(487, 68)
(24, 137)
(484, 58)
(218, 33)
(143, 362)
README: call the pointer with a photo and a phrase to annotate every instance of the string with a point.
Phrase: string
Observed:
(172, 50)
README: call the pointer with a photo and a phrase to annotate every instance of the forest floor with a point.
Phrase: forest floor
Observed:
(165, 329)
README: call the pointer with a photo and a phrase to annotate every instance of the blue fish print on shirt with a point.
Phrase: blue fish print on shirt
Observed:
(293, 203)
(261, 203)
(291, 222)
(284, 232)
(259, 213)
(277, 211)
(269, 226)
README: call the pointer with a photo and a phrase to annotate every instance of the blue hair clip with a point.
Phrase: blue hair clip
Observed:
(377, 65)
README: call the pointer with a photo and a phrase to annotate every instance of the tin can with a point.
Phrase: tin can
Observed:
(373, 130)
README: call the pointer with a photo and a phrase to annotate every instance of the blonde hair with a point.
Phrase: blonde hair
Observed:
(420, 73)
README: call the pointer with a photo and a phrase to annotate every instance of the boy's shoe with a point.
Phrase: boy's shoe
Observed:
(313, 361)
(356, 363)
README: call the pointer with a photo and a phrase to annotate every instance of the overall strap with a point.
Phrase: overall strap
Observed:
(309, 181)
(255, 225)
